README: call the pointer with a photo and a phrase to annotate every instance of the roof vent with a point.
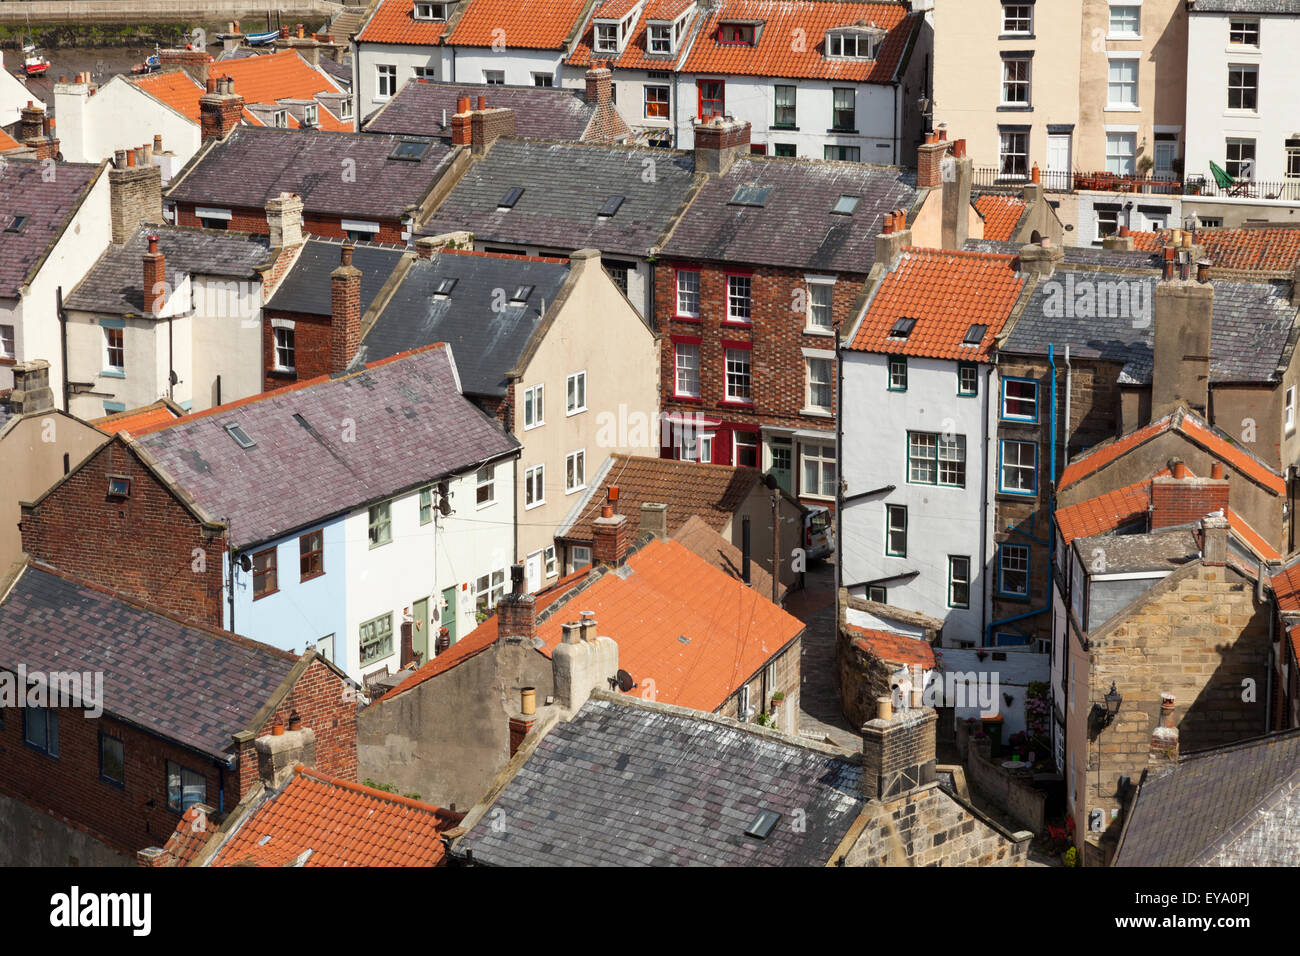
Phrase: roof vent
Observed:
(683, 638)
(240, 436)
(763, 824)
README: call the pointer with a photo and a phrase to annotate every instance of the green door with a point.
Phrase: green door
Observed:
(782, 450)
(449, 613)
(420, 628)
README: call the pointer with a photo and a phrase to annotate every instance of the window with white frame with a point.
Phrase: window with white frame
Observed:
(1018, 18)
(687, 357)
(544, 80)
(535, 486)
(660, 38)
(1107, 221)
(688, 293)
(575, 393)
(485, 485)
(1240, 160)
(376, 638)
(575, 471)
(385, 80)
(1013, 154)
(1015, 80)
(1289, 419)
(1292, 171)
(745, 449)
(494, 77)
(656, 102)
(489, 589)
(380, 524)
(1243, 32)
(783, 98)
(738, 380)
(114, 349)
(934, 458)
(1019, 474)
(820, 316)
(820, 384)
(690, 444)
(1020, 399)
(606, 38)
(968, 382)
(818, 470)
(844, 108)
(552, 566)
(431, 11)
(1120, 153)
(1013, 570)
(1243, 87)
(579, 556)
(1122, 83)
(853, 44)
(284, 352)
(534, 406)
(281, 119)
(958, 581)
(7, 347)
(896, 531)
(1125, 21)
(739, 292)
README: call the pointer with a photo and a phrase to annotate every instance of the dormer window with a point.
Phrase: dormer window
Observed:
(736, 34)
(610, 36)
(431, 11)
(660, 38)
(606, 37)
(310, 115)
(854, 43)
(281, 119)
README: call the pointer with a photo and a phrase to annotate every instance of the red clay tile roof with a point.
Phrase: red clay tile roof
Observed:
(713, 492)
(1270, 249)
(394, 22)
(1001, 215)
(521, 24)
(635, 55)
(258, 79)
(7, 142)
(731, 630)
(1294, 634)
(721, 553)
(893, 648)
(946, 292)
(133, 421)
(1251, 537)
(1190, 427)
(776, 54)
(1286, 586)
(342, 824)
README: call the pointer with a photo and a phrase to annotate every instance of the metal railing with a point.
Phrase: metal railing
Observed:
(997, 179)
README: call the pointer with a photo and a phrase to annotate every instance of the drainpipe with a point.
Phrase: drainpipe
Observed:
(63, 347)
(1069, 381)
(1051, 363)
(987, 504)
(839, 470)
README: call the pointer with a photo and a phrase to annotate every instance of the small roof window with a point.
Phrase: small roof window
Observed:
(511, 197)
(751, 196)
(610, 207)
(409, 150)
(902, 328)
(975, 335)
(845, 205)
(240, 436)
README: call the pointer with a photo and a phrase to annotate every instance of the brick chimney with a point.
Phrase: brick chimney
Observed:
(134, 196)
(1163, 755)
(654, 519)
(194, 62)
(460, 123)
(517, 611)
(31, 392)
(345, 311)
(487, 125)
(611, 535)
(929, 155)
(1184, 314)
(220, 108)
(1183, 499)
(718, 141)
(1041, 258)
(600, 83)
(581, 663)
(284, 217)
(154, 279)
(893, 238)
(279, 753)
(956, 171)
(898, 752)
(1214, 541)
(31, 122)
(522, 723)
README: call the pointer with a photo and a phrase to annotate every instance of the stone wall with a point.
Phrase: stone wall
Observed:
(1013, 795)
(29, 837)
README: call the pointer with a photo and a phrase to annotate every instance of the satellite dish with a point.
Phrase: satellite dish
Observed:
(625, 682)
(245, 563)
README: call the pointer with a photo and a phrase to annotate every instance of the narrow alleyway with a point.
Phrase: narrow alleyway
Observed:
(820, 716)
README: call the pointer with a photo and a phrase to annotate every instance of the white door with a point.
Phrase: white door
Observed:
(1058, 161)
(533, 571)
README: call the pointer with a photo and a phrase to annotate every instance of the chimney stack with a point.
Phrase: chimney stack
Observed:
(1184, 315)
(278, 755)
(426, 247)
(893, 238)
(488, 125)
(345, 311)
(599, 86)
(155, 279)
(610, 530)
(31, 392)
(31, 123)
(1214, 541)
(221, 109)
(196, 63)
(898, 752)
(1041, 258)
(956, 171)
(654, 519)
(134, 195)
(928, 157)
(580, 665)
(460, 123)
(718, 142)
(1163, 755)
(284, 217)
(522, 723)
(517, 611)
(1183, 498)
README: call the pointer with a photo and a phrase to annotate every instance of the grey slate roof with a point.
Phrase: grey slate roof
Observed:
(1233, 805)
(254, 164)
(1251, 326)
(486, 339)
(795, 226)
(339, 72)
(425, 108)
(48, 205)
(1291, 7)
(191, 684)
(306, 286)
(565, 185)
(411, 426)
(115, 285)
(623, 784)
(1077, 255)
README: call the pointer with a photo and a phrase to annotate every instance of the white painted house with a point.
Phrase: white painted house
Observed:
(14, 94)
(919, 396)
(1243, 101)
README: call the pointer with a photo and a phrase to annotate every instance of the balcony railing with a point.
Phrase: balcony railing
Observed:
(992, 178)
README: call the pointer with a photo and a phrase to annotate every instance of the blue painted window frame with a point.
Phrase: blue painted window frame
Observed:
(1031, 419)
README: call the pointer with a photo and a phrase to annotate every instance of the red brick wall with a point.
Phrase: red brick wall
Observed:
(311, 343)
(327, 705)
(253, 219)
(144, 545)
(69, 787)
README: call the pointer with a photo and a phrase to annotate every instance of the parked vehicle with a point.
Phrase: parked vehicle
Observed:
(819, 533)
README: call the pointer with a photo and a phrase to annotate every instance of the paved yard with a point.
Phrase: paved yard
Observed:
(820, 716)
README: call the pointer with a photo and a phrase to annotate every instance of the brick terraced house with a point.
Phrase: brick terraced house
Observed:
(182, 704)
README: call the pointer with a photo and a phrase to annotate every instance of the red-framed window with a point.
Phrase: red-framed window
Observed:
(713, 98)
(736, 34)
(686, 293)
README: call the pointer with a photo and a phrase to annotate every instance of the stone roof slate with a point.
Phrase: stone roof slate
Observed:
(47, 205)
